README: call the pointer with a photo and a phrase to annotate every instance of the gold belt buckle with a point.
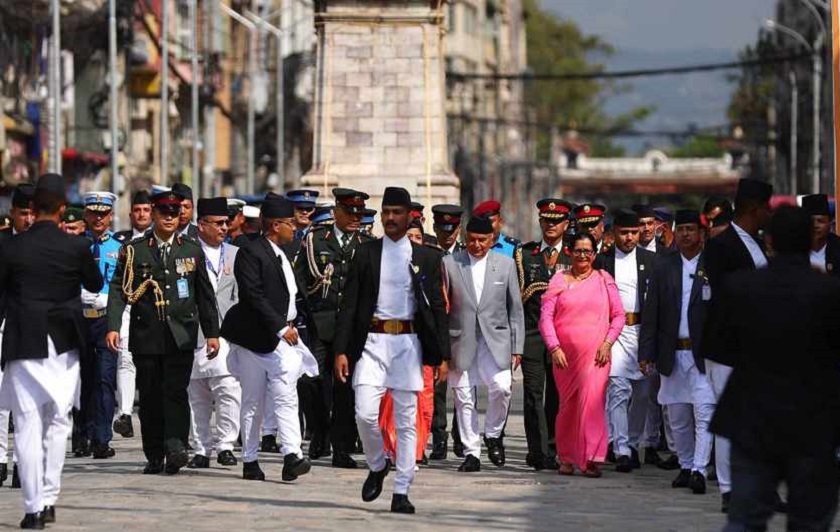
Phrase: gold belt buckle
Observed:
(90, 313)
(392, 327)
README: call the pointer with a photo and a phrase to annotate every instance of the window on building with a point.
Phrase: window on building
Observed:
(470, 19)
(452, 20)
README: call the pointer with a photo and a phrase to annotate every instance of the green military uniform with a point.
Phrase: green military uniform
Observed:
(168, 302)
(536, 264)
(323, 263)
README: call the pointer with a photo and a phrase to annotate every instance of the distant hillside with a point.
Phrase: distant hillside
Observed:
(700, 99)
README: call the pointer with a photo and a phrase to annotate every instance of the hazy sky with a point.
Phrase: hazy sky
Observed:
(668, 24)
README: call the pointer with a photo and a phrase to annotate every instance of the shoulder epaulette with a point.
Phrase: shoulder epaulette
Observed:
(512, 241)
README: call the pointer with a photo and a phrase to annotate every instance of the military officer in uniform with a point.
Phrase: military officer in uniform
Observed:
(160, 275)
(141, 220)
(447, 228)
(536, 264)
(304, 202)
(590, 219)
(98, 365)
(368, 220)
(504, 244)
(323, 263)
(73, 221)
(323, 215)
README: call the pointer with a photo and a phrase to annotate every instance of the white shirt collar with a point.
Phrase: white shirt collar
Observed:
(135, 232)
(160, 241)
(620, 255)
(275, 247)
(559, 246)
(474, 260)
(651, 246)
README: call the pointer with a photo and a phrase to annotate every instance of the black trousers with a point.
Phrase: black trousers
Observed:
(812, 479)
(333, 403)
(162, 381)
(315, 395)
(540, 400)
(84, 417)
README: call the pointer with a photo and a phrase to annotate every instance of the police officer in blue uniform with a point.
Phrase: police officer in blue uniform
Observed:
(304, 202)
(506, 245)
(368, 220)
(99, 377)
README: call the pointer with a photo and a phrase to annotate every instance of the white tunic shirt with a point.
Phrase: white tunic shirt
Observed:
(291, 285)
(757, 255)
(818, 258)
(396, 293)
(625, 351)
(214, 262)
(651, 246)
(478, 269)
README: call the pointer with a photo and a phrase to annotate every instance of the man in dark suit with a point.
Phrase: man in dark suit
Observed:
(647, 230)
(186, 227)
(736, 249)
(627, 392)
(160, 276)
(671, 337)
(266, 352)
(41, 272)
(140, 216)
(825, 245)
(21, 212)
(781, 407)
(392, 322)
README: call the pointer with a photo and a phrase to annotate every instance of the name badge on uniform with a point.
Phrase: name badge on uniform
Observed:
(183, 289)
(707, 292)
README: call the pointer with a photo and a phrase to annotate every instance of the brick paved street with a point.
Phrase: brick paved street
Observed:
(112, 495)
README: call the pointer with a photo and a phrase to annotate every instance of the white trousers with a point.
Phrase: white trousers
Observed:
(126, 382)
(257, 389)
(690, 427)
(4, 436)
(718, 376)
(484, 371)
(368, 400)
(226, 393)
(269, 422)
(627, 404)
(41, 436)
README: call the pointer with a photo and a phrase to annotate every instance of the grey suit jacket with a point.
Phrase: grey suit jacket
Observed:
(227, 291)
(498, 317)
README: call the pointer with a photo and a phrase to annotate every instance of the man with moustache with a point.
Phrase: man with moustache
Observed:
(304, 201)
(21, 211)
(825, 245)
(186, 227)
(393, 321)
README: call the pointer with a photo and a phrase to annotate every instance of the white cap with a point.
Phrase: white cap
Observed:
(249, 211)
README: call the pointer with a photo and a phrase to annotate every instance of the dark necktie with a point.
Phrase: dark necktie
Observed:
(345, 239)
(164, 252)
(550, 257)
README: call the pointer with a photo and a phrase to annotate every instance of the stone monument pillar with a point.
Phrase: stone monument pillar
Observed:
(379, 115)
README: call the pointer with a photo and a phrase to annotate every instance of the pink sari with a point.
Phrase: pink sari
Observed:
(578, 320)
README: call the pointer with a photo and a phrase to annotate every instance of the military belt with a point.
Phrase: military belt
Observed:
(391, 326)
(92, 313)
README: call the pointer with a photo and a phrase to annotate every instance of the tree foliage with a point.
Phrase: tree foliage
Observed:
(557, 46)
(698, 147)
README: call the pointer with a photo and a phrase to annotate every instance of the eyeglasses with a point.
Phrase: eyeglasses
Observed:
(583, 252)
(217, 223)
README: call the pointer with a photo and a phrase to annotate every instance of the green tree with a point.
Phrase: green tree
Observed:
(557, 46)
(698, 147)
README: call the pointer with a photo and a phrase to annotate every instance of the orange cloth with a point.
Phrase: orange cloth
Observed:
(425, 410)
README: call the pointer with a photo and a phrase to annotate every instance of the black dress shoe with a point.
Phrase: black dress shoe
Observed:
(153, 467)
(318, 448)
(458, 448)
(124, 426)
(175, 460)
(725, 499)
(295, 466)
(495, 451)
(48, 514)
(226, 458)
(32, 522)
(82, 450)
(4, 473)
(15, 478)
(471, 464)
(682, 480)
(671, 464)
(401, 505)
(343, 460)
(634, 459)
(623, 464)
(372, 487)
(252, 471)
(697, 483)
(198, 461)
(610, 453)
(439, 450)
(535, 460)
(423, 461)
(269, 444)
(551, 463)
(652, 456)
(102, 451)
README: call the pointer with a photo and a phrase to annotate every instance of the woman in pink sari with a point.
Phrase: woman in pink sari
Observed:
(581, 317)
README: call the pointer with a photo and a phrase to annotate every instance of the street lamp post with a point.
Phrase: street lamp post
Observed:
(55, 88)
(814, 50)
(112, 81)
(794, 118)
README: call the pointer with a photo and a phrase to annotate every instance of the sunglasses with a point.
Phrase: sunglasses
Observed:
(305, 209)
(217, 223)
